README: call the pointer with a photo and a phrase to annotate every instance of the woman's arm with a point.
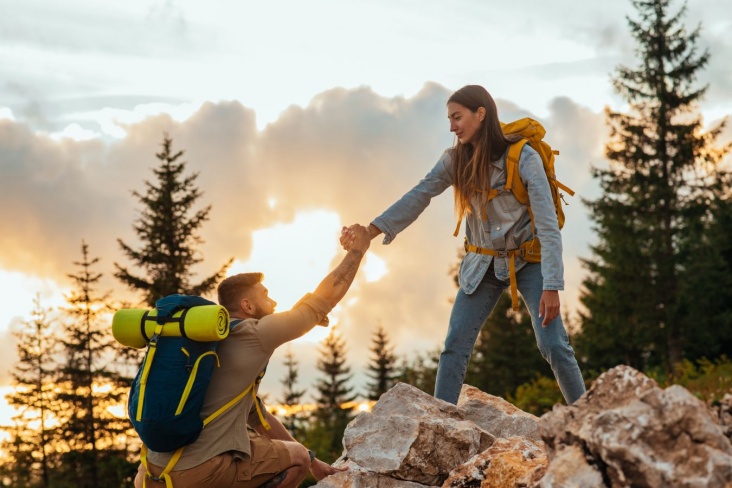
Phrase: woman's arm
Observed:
(546, 226)
(408, 208)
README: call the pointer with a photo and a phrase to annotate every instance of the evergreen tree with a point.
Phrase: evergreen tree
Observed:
(505, 354)
(331, 415)
(168, 235)
(31, 447)
(654, 193)
(382, 365)
(88, 388)
(421, 370)
(292, 396)
(19, 467)
(707, 277)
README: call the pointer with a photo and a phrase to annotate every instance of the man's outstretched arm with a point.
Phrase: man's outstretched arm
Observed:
(276, 329)
(336, 284)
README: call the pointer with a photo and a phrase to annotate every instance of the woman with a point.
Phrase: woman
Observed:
(475, 166)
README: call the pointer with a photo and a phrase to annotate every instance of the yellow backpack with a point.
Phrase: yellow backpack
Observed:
(531, 132)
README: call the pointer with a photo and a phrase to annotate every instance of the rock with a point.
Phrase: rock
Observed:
(357, 477)
(570, 469)
(502, 465)
(724, 412)
(412, 436)
(497, 416)
(633, 433)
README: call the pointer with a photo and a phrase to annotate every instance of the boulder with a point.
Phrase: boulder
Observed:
(412, 436)
(507, 463)
(633, 433)
(357, 477)
(624, 432)
(724, 412)
(497, 416)
(569, 469)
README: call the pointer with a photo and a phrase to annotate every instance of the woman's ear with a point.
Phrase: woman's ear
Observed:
(481, 113)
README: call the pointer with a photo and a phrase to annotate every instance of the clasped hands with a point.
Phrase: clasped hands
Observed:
(355, 238)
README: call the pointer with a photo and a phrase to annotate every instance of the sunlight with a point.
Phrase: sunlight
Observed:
(374, 268)
(294, 257)
(6, 113)
(17, 292)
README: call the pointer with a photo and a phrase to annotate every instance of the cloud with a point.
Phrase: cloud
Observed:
(349, 151)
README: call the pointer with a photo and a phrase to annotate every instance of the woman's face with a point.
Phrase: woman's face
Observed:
(464, 122)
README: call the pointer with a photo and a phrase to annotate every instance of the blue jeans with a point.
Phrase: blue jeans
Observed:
(469, 312)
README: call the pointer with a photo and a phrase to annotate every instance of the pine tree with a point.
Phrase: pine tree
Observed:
(19, 467)
(420, 371)
(31, 446)
(292, 396)
(655, 188)
(88, 388)
(382, 365)
(505, 355)
(330, 417)
(168, 235)
(707, 280)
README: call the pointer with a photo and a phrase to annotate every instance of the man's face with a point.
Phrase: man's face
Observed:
(260, 301)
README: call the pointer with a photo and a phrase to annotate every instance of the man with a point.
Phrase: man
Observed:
(227, 454)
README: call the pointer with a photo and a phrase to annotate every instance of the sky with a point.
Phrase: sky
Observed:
(299, 117)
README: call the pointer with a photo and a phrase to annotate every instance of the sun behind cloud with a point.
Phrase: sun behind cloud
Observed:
(296, 256)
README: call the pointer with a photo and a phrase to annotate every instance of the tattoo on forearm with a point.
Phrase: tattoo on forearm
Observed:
(346, 271)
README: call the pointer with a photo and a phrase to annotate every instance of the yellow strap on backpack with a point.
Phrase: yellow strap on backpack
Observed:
(528, 251)
(531, 132)
(165, 474)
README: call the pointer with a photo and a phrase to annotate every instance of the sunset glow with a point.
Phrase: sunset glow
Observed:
(295, 119)
(295, 256)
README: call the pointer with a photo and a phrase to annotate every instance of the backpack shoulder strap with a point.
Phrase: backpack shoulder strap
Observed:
(513, 179)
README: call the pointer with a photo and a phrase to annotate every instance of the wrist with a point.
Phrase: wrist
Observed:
(373, 231)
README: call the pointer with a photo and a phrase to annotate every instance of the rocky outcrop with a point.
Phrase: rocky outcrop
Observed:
(724, 413)
(508, 462)
(410, 435)
(633, 433)
(624, 432)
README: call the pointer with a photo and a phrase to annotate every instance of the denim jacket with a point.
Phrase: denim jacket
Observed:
(508, 224)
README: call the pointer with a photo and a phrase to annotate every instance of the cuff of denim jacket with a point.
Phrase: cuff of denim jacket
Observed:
(554, 285)
(384, 227)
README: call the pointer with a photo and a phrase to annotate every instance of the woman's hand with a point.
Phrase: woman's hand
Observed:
(549, 306)
(350, 234)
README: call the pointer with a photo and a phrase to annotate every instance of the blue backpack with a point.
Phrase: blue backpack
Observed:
(182, 334)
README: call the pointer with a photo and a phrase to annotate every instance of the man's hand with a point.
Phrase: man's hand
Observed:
(347, 234)
(320, 469)
(548, 306)
(356, 238)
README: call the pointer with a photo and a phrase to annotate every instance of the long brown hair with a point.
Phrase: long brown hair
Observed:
(472, 162)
